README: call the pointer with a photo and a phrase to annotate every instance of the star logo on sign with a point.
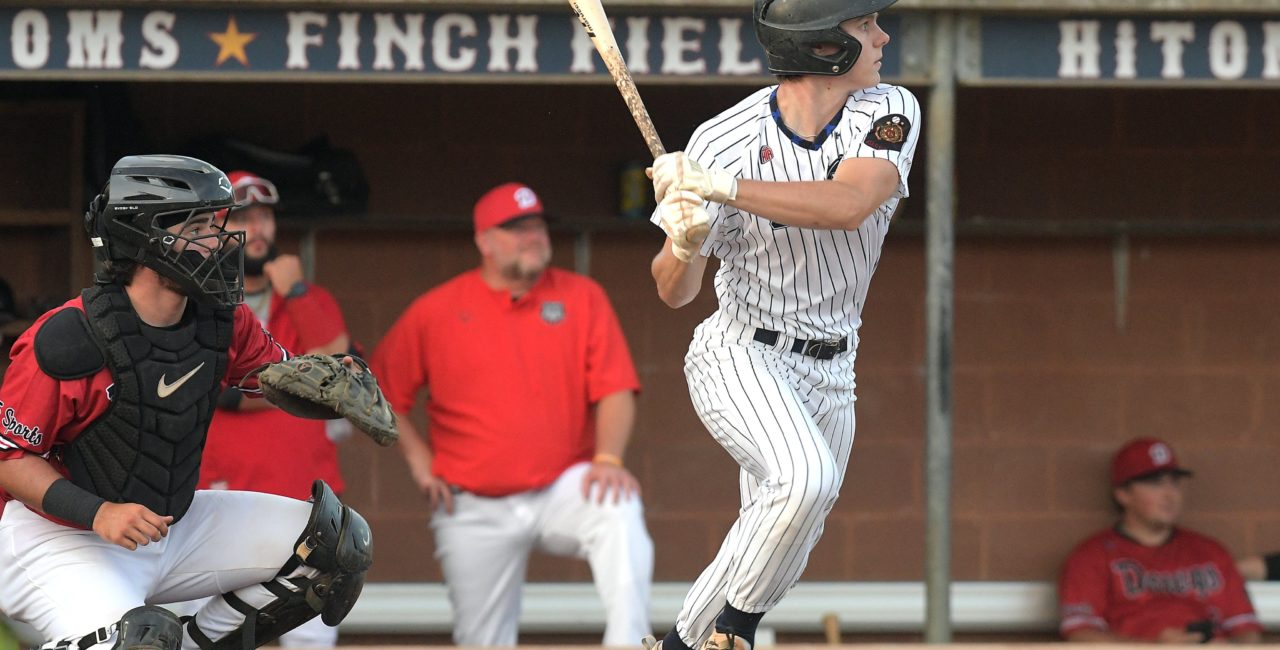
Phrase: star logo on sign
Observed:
(231, 43)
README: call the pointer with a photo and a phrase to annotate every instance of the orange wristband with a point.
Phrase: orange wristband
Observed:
(608, 459)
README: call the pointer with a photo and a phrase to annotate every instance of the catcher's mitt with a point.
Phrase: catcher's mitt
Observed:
(321, 387)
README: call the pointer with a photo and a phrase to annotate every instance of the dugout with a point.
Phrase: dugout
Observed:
(1108, 173)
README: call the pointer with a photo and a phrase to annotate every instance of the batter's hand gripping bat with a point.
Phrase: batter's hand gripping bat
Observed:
(591, 14)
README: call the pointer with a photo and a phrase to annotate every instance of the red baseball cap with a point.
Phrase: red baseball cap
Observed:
(1143, 457)
(251, 189)
(506, 202)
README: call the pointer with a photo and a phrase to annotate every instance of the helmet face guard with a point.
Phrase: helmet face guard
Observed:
(790, 30)
(167, 213)
(209, 266)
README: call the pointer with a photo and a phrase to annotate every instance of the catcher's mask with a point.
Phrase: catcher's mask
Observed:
(168, 213)
(789, 30)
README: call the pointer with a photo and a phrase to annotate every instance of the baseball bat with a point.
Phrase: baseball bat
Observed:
(591, 14)
(831, 626)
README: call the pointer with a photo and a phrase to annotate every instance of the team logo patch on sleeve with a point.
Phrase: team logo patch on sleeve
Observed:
(766, 154)
(14, 427)
(889, 132)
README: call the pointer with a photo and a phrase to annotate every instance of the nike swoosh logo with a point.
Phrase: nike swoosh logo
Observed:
(164, 390)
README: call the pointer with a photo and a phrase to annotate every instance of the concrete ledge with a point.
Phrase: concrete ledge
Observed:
(860, 607)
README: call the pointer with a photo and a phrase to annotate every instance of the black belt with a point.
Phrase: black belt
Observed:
(816, 348)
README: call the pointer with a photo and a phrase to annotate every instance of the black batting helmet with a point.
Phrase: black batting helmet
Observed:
(133, 219)
(790, 29)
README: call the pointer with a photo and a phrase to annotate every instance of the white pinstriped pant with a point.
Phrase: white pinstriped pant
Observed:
(788, 421)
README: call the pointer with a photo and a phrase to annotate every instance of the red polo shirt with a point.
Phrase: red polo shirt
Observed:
(511, 382)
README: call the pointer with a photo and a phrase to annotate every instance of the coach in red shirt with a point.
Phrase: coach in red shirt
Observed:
(1146, 578)
(531, 400)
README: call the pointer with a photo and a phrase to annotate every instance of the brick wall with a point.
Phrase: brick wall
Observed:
(1047, 382)
(1047, 385)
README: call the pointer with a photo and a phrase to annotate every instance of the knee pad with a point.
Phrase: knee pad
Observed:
(149, 628)
(339, 544)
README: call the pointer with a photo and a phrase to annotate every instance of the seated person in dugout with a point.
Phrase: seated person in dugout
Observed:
(1146, 578)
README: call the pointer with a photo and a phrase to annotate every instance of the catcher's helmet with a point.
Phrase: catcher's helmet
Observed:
(145, 197)
(789, 29)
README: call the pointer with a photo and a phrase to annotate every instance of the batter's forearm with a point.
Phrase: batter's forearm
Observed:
(820, 205)
(678, 282)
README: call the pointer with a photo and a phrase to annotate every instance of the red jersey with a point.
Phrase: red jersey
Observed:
(1114, 584)
(40, 414)
(286, 453)
(511, 382)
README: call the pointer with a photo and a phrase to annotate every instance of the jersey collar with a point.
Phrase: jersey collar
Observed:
(504, 298)
(796, 139)
(1119, 530)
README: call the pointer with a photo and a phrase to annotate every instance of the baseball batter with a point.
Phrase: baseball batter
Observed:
(103, 414)
(798, 183)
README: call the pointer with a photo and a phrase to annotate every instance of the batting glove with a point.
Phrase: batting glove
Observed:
(685, 221)
(677, 171)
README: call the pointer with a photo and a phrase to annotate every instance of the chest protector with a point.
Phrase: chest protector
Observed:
(146, 448)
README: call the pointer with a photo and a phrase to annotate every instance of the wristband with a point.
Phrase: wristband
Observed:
(298, 290)
(724, 186)
(70, 502)
(608, 459)
(229, 399)
(1273, 566)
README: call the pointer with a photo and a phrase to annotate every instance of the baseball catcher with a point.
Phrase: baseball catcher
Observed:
(107, 404)
(324, 387)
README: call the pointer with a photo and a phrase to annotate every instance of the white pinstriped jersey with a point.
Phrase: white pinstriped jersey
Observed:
(805, 283)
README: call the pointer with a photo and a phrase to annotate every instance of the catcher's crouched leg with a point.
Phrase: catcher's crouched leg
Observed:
(338, 546)
(339, 543)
